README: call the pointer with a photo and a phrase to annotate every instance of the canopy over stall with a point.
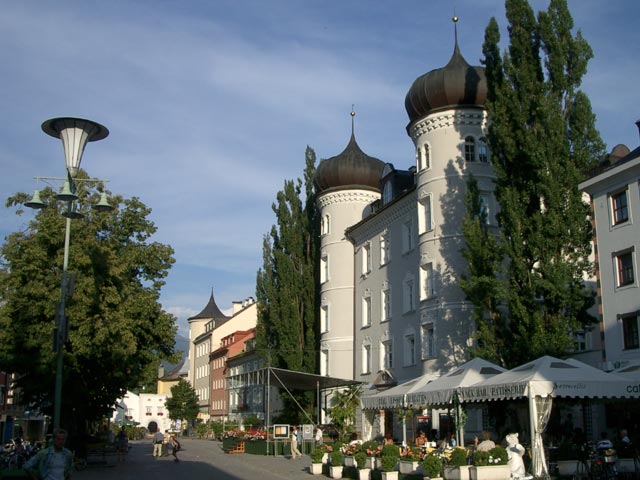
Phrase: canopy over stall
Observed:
(540, 381)
(395, 397)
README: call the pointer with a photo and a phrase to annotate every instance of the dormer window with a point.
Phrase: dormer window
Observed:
(387, 192)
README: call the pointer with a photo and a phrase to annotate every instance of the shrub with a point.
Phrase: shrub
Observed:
(432, 465)
(388, 462)
(495, 456)
(458, 457)
(316, 455)
(391, 451)
(361, 459)
(336, 458)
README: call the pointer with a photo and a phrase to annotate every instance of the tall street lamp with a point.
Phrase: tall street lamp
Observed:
(74, 133)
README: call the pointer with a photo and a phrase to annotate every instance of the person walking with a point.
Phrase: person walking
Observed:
(158, 439)
(295, 453)
(122, 444)
(175, 447)
(52, 463)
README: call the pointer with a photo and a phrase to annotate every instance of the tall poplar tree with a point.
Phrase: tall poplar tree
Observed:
(286, 283)
(543, 140)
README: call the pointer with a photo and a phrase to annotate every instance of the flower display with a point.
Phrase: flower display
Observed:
(495, 456)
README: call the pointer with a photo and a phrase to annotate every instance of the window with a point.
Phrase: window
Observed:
(409, 350)
(425, 220)
(366, 258)
(419, 165)
(423, 160)
(427, 157)
(427, 282)
(324, 362)
(324, 318)
(386, 305)
(428, 341)
(407, 236)
(619, 207)
(624, 265)
(324, 268)
(384, 249)
(409, 295)
(324, 225)
(630, 331)
(366, 309)
(580, 341)
(469, 149)
(386, 354)
(483, 150)
(366, 358)
(387, 192)
(484, 207)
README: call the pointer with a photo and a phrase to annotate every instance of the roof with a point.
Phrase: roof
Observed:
(211, 310)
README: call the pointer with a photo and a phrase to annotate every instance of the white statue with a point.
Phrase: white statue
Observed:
(515, 452)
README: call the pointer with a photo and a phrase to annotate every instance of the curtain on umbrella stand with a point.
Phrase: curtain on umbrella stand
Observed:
(540, 411)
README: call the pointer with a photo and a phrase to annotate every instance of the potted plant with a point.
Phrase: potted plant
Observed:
(316, 461)
(336, 463)
(410, 459)
(491, 465)
(388, 465)
(457, 468)
(361, 463)
(372, 451)
(349, 451)
(432, 465)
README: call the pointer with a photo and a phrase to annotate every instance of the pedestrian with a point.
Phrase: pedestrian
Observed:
(175, 447)
(52, 463)
(158, 439)
(122, 444)
(294, 443)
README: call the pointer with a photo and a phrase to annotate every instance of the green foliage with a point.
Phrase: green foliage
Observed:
(251, 422)
(432, 465)
(285, 286)
(458, 457)
(390, 451)
(202, 429)
(343, 409)
(361, 459)
(118, 331)
(388, 462)
(336, 458)
(543, 141)
(496, 456)
(183, 402)
(316, 455)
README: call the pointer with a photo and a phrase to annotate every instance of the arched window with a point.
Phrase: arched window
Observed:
(470, 149)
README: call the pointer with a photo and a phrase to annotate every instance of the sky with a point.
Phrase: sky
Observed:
(211, 104)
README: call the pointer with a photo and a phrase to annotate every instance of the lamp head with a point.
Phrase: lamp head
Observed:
(74, 133)
(35, 201)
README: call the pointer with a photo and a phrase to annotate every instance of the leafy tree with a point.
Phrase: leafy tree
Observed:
(343, 409)
(543, 140)
(183, 402)
(117, 330)
(286, 283)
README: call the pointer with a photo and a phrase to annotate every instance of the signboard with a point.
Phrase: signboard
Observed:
(281, 431)
(307, 432)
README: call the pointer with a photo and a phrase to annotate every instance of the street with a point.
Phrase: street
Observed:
(198, 459)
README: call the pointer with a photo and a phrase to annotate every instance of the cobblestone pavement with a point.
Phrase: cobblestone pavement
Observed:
(203, 458)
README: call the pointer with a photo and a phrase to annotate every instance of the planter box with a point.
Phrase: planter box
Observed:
(336, 472)
(370, 463)
(457, 473)
(626, 465)
(390, 475)
(364, 474)
(349, 461)
(493, 472)
(315, 469)
(411, 468)
(567, 467)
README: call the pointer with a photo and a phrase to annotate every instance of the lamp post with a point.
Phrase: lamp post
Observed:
(74, 133)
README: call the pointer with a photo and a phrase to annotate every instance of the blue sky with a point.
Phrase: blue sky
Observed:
(211, 104)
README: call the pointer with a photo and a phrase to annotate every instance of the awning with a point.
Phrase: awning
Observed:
(302, 380)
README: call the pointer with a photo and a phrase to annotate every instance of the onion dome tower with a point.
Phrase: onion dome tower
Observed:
(447, 124)
(346, 185)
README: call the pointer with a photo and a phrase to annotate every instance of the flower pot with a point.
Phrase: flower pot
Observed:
(432, 478)
(370, 463)
(490, 472)
(349, 462)
(336, 472)
(567, 467)
(409, 467)
(626, 465)
(364, 473)
(315, 469)
(390, 475)
(457, 473)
